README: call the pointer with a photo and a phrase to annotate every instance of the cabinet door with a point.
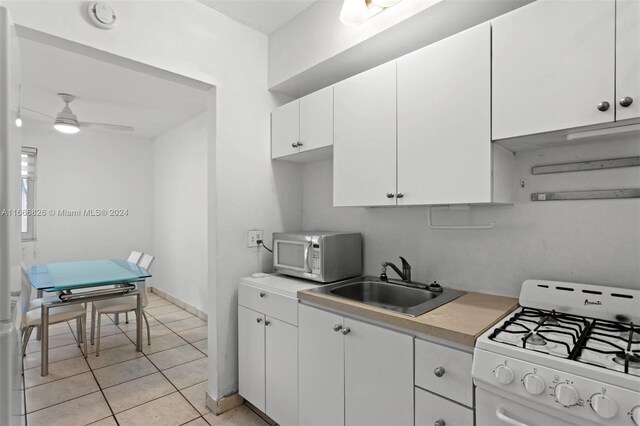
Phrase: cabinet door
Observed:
(553, 63)
(378, 365)
(444, 146)
(316, 120)
(364, 146)
(281, 371)
(627, 58)
(285, 130)
(321, 368)
(251, 363)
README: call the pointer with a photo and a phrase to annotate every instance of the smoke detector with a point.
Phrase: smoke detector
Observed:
(102, 15)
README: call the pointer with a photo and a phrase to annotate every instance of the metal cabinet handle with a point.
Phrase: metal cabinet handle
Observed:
(337, 327)
(294, 145)
(263, 294)
(258, 320)
(390, 195)
(439, 422)
(400, 195)
(300, 143)
(439, 372)
(346, 330)
(626, 101)
(603, 106)
(267, 322)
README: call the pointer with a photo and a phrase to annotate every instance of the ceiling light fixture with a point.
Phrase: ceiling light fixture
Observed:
(66, 120)
(355, 12)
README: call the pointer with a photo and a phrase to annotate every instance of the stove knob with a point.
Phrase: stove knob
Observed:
(604, 406)
(504, 374)
(635, 415)
(533, 384)
(566, 395)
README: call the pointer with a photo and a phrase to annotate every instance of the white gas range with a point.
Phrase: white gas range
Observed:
(569, 355)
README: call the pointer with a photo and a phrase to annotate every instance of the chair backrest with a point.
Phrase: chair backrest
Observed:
(145, 261)
(134, 257)
(25, 297)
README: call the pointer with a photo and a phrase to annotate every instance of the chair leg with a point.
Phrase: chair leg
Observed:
(126, 317)
(84, 331)
(78, 331)
(93, 322)
(116, 320)
(98, 335)
(25, 340)
(144, 315)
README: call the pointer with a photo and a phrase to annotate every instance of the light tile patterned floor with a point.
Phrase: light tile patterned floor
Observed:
(163, 385)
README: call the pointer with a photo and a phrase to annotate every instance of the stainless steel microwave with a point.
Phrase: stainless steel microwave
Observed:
(318, 256)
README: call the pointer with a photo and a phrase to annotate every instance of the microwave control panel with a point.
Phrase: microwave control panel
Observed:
(315, 259)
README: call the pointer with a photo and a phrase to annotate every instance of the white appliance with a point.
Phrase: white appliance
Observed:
(11, 402)
(318, 256)
(569, 356)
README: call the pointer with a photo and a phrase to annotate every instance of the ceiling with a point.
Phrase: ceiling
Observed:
(105, 93)
(266, 16)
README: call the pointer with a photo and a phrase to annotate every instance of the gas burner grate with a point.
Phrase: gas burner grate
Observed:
(615, 344)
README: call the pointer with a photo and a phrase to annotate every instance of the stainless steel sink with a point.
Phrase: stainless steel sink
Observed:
(394, 296)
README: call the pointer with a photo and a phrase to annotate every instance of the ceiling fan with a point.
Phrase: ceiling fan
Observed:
(67, 122)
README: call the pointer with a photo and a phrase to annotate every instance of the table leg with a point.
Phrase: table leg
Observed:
(139, 323)
(40, 294)
(44, 342)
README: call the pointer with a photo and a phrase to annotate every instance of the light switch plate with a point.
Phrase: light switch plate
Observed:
(253, 236)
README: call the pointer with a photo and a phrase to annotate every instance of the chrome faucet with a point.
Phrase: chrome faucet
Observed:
(405, 274)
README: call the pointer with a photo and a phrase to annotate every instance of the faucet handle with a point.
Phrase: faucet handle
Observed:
(405, 264)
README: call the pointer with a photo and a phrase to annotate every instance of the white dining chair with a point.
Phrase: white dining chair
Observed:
(134, 257)
(121, 305)
(29, 317)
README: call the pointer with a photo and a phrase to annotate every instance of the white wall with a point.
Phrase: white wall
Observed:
(594, 242)
(315, 49)
(245, 191)
(89, 170)
(180, 212)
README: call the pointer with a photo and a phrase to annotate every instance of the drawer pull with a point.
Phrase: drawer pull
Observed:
(258, 320)
(501, 414)
(337, 327)
(439, 422)
(346, 330)
(263, 294)
(439, 372)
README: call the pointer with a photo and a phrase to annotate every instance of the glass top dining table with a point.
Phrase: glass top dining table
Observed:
(65, 277)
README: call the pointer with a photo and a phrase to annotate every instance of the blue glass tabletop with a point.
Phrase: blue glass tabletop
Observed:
(86, 273)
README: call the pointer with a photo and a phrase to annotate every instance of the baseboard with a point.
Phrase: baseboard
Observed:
(191, 309)
(223, 404)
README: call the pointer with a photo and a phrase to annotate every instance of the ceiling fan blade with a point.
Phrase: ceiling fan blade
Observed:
(38, 112)
(105, 126)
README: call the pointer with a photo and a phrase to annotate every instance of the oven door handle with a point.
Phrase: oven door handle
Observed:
(501, 414)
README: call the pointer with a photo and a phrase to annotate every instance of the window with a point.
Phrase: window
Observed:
(28, 192)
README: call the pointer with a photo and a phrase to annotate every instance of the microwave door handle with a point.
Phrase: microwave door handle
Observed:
(306, 256)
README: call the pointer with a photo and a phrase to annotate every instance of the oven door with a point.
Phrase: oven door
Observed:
(494, 410)
(291, 255)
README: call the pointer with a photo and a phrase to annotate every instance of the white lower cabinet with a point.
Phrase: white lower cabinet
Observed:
(268, 359)
(352, 372)
(432, 409)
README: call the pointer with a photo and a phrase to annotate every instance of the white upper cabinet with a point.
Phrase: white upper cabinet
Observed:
(364, 151)
(553, 67)
(285, 130)
(316, 120)
(444, 121)
(303, 125)
(627, 59)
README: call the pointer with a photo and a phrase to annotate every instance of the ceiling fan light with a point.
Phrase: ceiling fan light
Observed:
(66, 128)
(385, 3)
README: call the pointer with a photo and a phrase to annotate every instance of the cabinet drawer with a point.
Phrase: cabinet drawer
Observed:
(430, 408)
(276, 305)
(455, 382)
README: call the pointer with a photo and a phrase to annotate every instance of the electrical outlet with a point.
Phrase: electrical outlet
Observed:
(253, 236)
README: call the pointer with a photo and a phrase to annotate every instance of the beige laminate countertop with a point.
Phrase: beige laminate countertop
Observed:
(462, 320)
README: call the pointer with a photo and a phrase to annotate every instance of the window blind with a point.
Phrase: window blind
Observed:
(28, 163)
